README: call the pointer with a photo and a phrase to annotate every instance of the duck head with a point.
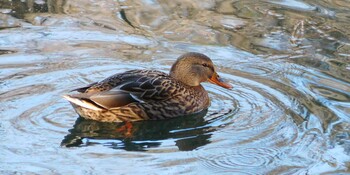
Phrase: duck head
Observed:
(193, 68)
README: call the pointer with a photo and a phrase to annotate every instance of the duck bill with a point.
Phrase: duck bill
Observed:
(215, 79)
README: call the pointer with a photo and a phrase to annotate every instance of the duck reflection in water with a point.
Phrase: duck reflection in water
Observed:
(189, 132)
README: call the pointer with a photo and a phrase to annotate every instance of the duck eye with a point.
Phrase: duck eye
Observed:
(205, 65)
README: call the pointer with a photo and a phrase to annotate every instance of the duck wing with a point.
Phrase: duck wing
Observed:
(128, 87)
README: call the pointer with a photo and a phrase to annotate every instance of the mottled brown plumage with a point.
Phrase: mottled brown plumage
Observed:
(149, 94)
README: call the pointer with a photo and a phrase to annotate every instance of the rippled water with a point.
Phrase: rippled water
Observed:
(288, 113)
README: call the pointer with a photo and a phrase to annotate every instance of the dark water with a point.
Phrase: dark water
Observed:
(289, 63)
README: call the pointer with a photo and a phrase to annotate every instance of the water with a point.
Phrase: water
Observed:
(288, 113)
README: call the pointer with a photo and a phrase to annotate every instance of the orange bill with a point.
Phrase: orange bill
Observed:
(215, 79)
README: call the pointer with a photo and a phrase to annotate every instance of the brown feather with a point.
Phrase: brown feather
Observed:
(147, 94)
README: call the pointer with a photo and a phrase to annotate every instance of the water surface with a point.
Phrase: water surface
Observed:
(288, 113)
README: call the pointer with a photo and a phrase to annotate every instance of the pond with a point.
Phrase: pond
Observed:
(288, 62)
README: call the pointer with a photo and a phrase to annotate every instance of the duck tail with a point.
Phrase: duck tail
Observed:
(81, 102)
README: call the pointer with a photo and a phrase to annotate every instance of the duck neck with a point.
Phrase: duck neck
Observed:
(185, 75)
(202, 95)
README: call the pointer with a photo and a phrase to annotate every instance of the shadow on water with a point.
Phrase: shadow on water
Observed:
(20, 8)
(189, 132)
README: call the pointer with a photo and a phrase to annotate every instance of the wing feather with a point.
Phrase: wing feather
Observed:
(129, 87)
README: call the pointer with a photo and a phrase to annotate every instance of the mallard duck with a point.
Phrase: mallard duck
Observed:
(149, 94)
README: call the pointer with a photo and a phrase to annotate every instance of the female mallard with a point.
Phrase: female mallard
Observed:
(149, 94)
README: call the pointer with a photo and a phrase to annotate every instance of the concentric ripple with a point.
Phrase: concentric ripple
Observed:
(238, 158)
(52, 116)
(257, 124)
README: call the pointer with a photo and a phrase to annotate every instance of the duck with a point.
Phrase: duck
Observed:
(143, 94)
